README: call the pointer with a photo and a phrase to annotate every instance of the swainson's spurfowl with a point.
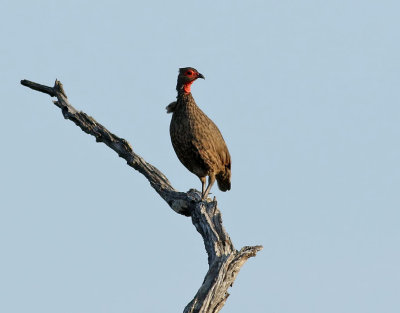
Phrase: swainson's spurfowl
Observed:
(197, 141)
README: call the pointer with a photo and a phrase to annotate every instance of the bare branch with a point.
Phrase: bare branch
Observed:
(223, 259)
(178, 201)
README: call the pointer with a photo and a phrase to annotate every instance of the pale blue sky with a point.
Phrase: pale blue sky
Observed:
(306, 94)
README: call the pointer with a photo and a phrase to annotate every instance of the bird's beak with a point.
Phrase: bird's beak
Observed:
(200, 76)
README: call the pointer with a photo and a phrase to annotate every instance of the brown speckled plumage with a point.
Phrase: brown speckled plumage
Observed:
(197, 141)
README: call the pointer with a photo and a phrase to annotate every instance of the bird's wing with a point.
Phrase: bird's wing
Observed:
(212, 143)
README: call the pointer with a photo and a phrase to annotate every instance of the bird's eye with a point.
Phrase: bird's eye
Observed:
(189, 73)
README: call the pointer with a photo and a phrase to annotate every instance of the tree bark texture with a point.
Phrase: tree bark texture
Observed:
(223, 259)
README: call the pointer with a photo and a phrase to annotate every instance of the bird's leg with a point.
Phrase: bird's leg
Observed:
(211, 180)
(203, 185)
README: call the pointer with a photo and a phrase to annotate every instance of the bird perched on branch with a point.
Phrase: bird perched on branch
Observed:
(197, 141)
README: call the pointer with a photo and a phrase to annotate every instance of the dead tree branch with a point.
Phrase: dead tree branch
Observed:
(223, 259)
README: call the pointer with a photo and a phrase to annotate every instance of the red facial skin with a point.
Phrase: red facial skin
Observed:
(187, 86)
(193, 76)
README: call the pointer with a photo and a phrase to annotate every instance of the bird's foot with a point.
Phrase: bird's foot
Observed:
(206, 197)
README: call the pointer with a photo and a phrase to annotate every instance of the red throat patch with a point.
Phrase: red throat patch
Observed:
(186, 87)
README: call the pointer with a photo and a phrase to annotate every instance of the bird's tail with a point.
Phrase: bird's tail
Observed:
(224, 179)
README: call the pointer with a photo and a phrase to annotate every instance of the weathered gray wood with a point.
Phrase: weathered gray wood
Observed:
(223, 259)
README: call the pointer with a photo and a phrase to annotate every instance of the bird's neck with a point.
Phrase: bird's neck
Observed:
(185, 101)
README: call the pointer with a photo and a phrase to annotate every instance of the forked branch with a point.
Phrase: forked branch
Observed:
(223, 259)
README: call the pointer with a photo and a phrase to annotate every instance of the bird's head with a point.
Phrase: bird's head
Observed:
(186, 77)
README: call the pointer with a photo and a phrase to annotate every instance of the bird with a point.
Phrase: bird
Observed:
(197, 141)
